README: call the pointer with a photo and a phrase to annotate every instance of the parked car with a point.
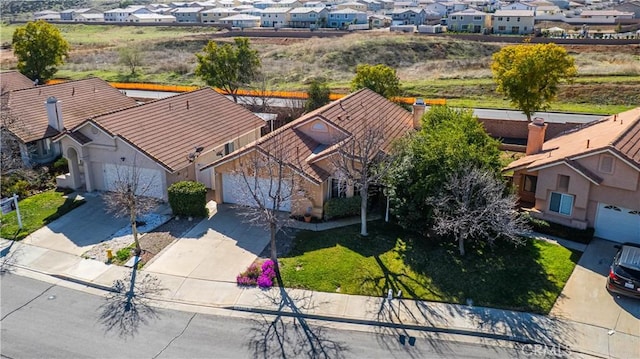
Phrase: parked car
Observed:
(624, 274)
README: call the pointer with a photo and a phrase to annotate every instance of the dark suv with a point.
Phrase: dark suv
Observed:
(624, 274)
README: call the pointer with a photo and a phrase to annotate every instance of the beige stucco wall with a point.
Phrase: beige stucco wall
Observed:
(332, 135)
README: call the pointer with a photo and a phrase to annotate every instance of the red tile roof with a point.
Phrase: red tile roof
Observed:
(14, 80)
(352, 114)
(619, 134)
(81, 100)
(167, 130)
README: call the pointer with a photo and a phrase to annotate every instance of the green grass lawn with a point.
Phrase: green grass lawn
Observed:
(526, 278)
(36, 211)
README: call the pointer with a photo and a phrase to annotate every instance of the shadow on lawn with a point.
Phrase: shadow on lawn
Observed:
(290, 335)
(70, 203)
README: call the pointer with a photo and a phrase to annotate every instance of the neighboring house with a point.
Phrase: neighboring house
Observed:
(518, 6)
(588, 178)
(46, 15)
(513, 22)
(214, 15)
(413, 16)
(242, 21)
(631, 6)
(275, 17)
(89, 17)
(340, 19)
(14, 80)
(444, 8)
(469, 20)
(604, 16)
(310, 141)
(166, 141)
(372, 5)
(35, 123)
(380, 21)
(71, 14)
(288, 3)
(352, 5)
(308, 17)
(187, 14)
(121, 15)
(151, 18)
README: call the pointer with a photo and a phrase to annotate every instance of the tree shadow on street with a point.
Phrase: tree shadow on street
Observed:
(9, 255)
(127, 306)
(288, 334)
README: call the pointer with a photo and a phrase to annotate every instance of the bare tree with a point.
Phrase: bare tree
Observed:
(131, 57)
(130, 196)
(268, 181)
(473, 204)
(360, 159)
(10, 157)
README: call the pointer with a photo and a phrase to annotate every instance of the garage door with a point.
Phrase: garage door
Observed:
(234, 190)
(149, 181)
(617, 223)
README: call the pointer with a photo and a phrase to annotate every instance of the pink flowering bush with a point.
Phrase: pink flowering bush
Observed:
(262, 276)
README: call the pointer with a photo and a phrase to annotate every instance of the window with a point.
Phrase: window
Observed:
(228, 148)
(518, 19)
(529, 183)
(319, 127)
(561, 203)
(499, 18)
(338, 188)
(477, 18)
(606, 164)
(501, 28)
(453, 18)
(563, 183)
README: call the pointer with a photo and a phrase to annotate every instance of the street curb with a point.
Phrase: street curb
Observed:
(83, 282)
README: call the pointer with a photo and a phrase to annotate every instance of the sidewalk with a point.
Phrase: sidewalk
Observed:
(529, 329)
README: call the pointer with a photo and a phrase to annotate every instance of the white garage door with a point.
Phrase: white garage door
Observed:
(149, 181)
(617, 223)
(234, 190)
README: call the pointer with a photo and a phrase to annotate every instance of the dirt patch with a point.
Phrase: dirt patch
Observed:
(155, 241)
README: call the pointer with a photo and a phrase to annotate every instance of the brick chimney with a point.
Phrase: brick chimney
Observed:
(418, 110)
(54, 113)
(535, 139)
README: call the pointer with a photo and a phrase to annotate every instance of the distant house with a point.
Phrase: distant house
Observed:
(444, 8)
(380, 21)
(89, 17)
(413, 16)
(341, 19)
(372, 5)
(46, 15)
(71, 14)
(187, 14)
(214, 15)
(352, 5)
(275, 17)
(41, 115)
(518, 22)
(604, 16)
(469, 20)
(121, 15)
(151, 18)
(629, 6)
(518, 6)
(242, 21)
(308, 17)
(589, 177)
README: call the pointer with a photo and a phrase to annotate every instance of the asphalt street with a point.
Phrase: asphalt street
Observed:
(41, 320)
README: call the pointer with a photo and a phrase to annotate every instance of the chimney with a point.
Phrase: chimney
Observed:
(418, 110)
(54, 113)
(537, 129)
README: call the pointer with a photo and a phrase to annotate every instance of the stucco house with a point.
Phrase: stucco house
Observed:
(215, 14)
(589, 177)
(340, 19)
(31, 118)
(188, 14)
(165, 141)
(308, 17)
(308, 143)
(411, 16)
(242, 21)
(275, 17)
(513, 22)
(469, 20)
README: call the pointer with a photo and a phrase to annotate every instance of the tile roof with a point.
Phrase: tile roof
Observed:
(351, 114)
(167, 130)
(619, 134)
(81, 100)
(14, 80)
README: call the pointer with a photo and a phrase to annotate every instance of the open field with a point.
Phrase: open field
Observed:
(432, 67)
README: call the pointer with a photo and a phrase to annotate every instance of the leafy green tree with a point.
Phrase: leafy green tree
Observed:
(40, 48)
(378, 78)
(228, 66)
(318, 95)
(450, 139)
(529, 75)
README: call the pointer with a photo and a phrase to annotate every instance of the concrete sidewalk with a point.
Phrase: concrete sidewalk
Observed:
(555, 333)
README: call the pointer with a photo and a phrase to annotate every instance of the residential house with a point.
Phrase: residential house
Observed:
(14, 80)
(71, 14)
(288, 3)
(308, 144)
(549, 13)
(314, 4)
(513, 22)
(444, 8)
(469, 20)
(214, 15)
(38, 123)
(164, 141)
(413, 16)
(264, 4)
(308, 17)
(604, 16)
(242, 21)
(121, 15)
(631, 6)
(46, 15)
(380, 21)
(587, 178)
(352, 5)
(518, 6)
(89, 17)
(151, 18)
(372, 5)
(340, 19)
(275, 17)
(187, 14)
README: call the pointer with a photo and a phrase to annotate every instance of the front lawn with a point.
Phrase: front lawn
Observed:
(526, 278)
(36, 211)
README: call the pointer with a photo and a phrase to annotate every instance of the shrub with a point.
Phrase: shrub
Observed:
(262, 276)
(558, 230)
(249, 276)
(188, 198)
(60, 166)
(342, 207)
(123, 254)
(19, 187)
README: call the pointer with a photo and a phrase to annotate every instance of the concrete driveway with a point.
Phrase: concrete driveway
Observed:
(586, 300)
(79, 230)
(217, 249)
